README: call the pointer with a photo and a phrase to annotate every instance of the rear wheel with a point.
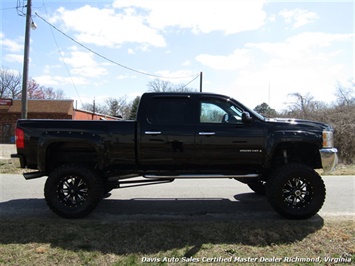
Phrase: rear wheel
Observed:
(73, 191)
(296, 191)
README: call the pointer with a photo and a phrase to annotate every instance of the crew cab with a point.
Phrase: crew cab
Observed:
(179, 135)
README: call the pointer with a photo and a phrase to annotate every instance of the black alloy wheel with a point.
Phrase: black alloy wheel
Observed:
(296, 191)
(73, 190)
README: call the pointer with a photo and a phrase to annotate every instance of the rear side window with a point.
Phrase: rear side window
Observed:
(169, 111)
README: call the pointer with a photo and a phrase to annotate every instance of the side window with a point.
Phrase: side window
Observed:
(219, 111)
(211, 113)
(169, 111)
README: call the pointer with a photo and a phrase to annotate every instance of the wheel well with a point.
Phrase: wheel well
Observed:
(296, 152)
(70, 152)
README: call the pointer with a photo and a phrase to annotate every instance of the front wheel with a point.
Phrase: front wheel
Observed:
(73, 191)
(296, 191)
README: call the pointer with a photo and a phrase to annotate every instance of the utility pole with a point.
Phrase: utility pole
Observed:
(201, 81)
(93, 110)
(26, 61)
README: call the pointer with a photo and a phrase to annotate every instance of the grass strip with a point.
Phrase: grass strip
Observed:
(84, 242)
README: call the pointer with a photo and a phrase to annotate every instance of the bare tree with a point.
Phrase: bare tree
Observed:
(112, 106)
(340, 115)
(36, 91)
(305, 106)
(345, 96)
(10, 84)
(95, 108)
(11, 87)
(159, 85)
(117, 107)
(33, 90)
(51, 94)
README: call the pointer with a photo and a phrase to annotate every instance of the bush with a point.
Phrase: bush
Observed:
(341, 117)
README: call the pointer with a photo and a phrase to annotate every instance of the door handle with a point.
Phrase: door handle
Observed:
(152, 132)
(207, 133)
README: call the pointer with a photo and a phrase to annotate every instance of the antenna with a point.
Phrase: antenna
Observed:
(269, 95)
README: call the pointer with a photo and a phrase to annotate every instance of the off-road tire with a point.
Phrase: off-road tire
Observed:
(73, 191)
(296, 191)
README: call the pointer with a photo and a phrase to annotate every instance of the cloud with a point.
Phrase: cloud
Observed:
(307, 62)
(237, 60)
(126, 76)
(176, 76)
(295, 50)
(56, 80)
(307, 46)
(10, 45)
(106, 27)
(186, 63)
(201, 17)
(144, 22)
(298, 17)
(83, 64)
(13, 58)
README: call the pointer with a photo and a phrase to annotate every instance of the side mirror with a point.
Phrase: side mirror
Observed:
(246, 118)
(225, 118)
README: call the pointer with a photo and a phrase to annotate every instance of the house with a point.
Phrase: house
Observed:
(10, 112)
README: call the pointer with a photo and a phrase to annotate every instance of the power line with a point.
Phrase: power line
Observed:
(190, 81)
(61, 56)
(110, 60)
(20, 7)
(7, 8)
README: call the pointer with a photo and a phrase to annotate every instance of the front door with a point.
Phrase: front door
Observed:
(223, 140)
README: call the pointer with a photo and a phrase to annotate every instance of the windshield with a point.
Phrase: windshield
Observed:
(251, 111)
(257, 114)
(214, 110)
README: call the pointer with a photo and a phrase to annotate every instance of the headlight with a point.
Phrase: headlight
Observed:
(328, 139)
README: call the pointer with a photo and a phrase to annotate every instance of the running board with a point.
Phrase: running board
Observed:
(138, 183)
(200, 176)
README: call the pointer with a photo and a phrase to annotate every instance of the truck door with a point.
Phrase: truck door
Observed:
(166, 134)
(223, 140)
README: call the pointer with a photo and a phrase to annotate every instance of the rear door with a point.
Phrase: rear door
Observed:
(166, 134)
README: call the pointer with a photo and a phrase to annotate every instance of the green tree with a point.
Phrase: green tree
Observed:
(265, 110)
(134, 108)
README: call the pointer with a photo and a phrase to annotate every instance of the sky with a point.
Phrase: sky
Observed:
(254, 51)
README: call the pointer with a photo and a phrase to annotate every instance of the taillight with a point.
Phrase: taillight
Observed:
(20, 138)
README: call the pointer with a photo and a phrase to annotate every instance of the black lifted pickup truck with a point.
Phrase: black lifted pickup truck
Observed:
(178, 135)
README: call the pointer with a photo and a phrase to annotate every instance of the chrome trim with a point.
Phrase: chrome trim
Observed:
(201, 176)
(329, 159)
(152, 132)
(207, 133)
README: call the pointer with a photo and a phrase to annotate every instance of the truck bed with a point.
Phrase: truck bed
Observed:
(67, 139)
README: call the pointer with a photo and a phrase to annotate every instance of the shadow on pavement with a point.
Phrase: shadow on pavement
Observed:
(149, 226)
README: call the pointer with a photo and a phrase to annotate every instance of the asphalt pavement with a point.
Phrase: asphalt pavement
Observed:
(202, 199)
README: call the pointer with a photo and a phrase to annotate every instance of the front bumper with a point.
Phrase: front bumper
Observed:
(329, 159)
